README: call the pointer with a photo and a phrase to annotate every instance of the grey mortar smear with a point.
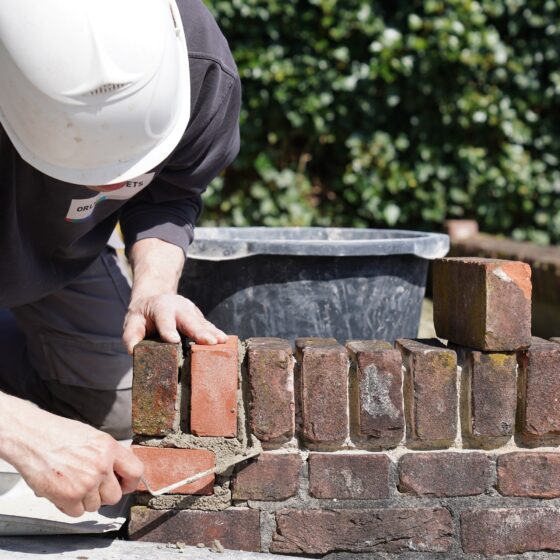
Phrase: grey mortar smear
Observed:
(218, 501)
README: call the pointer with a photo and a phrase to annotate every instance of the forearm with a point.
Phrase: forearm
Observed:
(12, 410)
(156, 268)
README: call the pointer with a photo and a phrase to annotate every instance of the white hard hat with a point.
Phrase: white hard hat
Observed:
(93, 92)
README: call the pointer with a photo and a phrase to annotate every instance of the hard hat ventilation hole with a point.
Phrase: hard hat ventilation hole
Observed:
(106, 88)
(173, 16)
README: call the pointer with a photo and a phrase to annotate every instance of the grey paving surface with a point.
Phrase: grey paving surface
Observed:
(100, 548)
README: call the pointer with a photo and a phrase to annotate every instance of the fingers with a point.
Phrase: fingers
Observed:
(134, 330)
(192, 323)
(168, 314)
(75, 509)
(92, 501)
(166, 324)
(221, 336)
(110, 491)
(129, 469)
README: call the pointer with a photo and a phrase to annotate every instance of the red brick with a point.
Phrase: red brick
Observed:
(484, 304)
(363, 530)
(430, 392)
(214, 380)
(271, 384)
(154, 387)
(539, 395)
(444, 474)
(235, 528)
(488, 396)
(531, 475)
(324, 391)
(460, 229)
(510, 531)
(165, 466)
(349, 476)
(273, 476)
(376, 403)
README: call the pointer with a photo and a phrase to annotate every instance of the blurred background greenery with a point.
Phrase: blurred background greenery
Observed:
(397, 113)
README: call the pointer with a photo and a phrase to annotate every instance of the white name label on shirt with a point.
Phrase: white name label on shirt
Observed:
(82, 208)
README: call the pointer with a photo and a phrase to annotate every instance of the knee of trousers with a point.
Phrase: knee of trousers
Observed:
(90, 380)
(118, 421)
(107, 410)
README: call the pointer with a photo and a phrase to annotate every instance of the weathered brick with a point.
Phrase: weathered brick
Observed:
(363, 530)
(531, 475)
(324, 391)
(488, 396)
(430, 392)
(306, 341)
(510, 531)
(214, 380)
(273, 476)
(445, 474)
(349, 476)
(235, 528)
(154, 387)
(545, 268)
(484, 304)
(165, 466)
(270, 368)
(376, 404)
(539, 394)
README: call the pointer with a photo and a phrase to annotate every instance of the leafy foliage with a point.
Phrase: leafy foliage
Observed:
(395, 113)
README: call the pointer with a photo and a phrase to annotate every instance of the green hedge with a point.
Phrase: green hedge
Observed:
(398, 113)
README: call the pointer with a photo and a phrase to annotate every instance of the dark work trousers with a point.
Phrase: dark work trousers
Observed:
(65, 353)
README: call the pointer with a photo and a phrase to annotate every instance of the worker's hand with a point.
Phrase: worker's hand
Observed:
(155, 306)
(168, 315)
(75, 466)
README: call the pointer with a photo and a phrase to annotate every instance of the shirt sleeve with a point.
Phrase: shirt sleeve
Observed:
(169, 207)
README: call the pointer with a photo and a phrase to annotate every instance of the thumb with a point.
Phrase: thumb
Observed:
(128, 469)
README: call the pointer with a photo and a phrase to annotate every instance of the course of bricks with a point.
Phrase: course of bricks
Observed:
(446, 446)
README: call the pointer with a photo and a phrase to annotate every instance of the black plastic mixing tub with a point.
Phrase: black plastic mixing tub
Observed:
(328, 282)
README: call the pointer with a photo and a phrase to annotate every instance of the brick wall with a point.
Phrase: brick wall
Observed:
(432, 446)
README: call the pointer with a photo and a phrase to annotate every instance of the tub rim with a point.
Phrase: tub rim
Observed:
(229, 243)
